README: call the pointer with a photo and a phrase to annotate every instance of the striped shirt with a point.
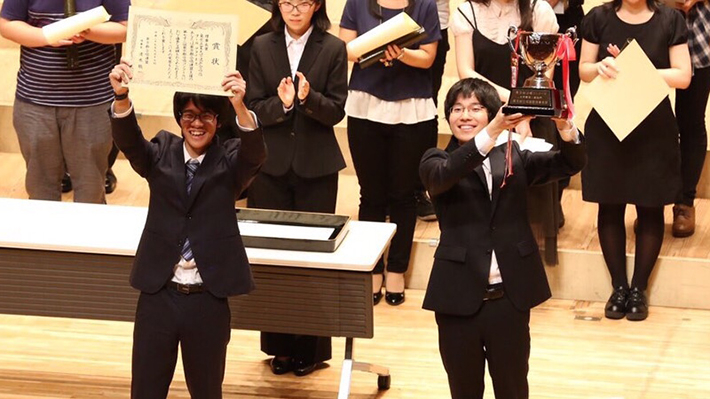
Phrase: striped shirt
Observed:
(44, 78)
(698, 20)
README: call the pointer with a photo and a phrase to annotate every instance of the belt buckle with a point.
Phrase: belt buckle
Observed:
(182, 288)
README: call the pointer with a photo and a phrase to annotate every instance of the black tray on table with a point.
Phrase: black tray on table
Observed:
(286, 219)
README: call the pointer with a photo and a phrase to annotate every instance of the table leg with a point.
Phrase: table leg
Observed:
(383, 373)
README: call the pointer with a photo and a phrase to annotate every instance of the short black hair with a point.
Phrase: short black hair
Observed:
(215, 104)
(319, 21)
(484, 92)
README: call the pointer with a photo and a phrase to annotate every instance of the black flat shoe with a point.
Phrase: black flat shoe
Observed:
(394, 298)
(377, 297)
(616, 306)
(302, 368)
(66, 183)
(637, 308)
(110, 183)
(279, 366)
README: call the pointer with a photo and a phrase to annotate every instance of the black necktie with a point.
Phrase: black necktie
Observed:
(191, 167)
(72, 51)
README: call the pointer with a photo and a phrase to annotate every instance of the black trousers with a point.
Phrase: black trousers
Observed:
(294, 193)
(386, 159)
(498, 334)
(690, 105)
(199, 323)
(437, 68)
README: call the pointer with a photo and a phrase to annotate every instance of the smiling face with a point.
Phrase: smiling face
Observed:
(298, 14)
(198, 134)
(467, 117)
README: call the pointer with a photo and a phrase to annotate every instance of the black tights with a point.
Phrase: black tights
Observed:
(612, 237)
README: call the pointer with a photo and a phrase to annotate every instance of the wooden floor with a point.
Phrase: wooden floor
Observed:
(579, 232)
(575, 354)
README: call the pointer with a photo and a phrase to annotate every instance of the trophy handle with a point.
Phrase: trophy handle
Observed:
(512, 34)
(571, 32)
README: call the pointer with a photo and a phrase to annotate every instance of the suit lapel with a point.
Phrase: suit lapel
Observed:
(179, 169)
(280, 55)
(481, 175)
(311, 51)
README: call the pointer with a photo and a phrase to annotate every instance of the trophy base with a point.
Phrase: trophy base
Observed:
(545, 102)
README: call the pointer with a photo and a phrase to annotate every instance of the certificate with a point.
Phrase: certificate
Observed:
(68, 27)
(181, 51)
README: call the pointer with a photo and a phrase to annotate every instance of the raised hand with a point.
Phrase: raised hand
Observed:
(121, 74)
(235, 83)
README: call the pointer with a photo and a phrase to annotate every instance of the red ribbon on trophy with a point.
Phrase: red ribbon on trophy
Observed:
(513, 83)
(567, 53)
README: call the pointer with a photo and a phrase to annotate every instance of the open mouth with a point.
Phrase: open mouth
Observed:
(197, 133)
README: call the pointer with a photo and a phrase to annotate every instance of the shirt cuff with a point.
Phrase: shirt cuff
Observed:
(246, 129)
(484, 142)
(122, 114)
(287, 110)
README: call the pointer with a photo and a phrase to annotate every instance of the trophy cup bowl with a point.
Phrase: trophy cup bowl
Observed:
(538, 96)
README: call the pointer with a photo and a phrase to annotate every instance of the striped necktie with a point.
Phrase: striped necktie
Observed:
(191, 167)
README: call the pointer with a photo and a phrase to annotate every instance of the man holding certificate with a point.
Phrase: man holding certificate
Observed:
(62, 93)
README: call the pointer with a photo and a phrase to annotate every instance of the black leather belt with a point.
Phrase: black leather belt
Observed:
(493, 291)
(185, 288)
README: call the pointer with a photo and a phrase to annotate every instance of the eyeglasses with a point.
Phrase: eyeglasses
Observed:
(458, 110)
(301, 7)
(205, 117)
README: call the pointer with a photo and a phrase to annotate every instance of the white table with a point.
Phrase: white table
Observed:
(73, 260)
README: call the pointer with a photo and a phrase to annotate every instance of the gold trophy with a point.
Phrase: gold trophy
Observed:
(539, 51)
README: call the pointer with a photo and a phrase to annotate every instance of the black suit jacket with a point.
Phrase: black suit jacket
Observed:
(207, 216)
(303, 138)
(473, 225)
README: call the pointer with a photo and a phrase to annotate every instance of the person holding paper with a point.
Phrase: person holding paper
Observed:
(298, 85)
(644, 168)
(190, 257)
(391, 122)
(690, 106)
(60, 110)
(487, 271)
(480, 28)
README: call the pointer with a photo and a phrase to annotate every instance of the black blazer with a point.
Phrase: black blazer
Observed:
(472, 224)
(207, 216)
(302, 139)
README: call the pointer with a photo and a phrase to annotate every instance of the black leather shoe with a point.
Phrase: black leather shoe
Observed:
(377, 297)
(637, 308)
(110, 183)
(616, 306)
(66, 183)
(394, 298)
(302, 368)
(281, 366)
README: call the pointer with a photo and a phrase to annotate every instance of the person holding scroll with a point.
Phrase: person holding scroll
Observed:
(191, 256)
(487, 271)
(391, 122)
(480, 29)
(644, 168)
(297, 88)
(60, 110)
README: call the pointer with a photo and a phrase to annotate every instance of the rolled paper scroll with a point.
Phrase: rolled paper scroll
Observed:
(68, 27)
(388, 32)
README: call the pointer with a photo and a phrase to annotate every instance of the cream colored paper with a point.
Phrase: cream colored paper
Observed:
(589, 4)
(181, 51)
(626, 101)
(68, 27)
(392, 29)
(272, 230)
(532, 144)
(251, 17)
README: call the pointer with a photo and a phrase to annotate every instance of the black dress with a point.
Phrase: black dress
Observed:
(492, 60)
(644, 168)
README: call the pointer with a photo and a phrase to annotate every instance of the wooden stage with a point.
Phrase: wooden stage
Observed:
(576, 353)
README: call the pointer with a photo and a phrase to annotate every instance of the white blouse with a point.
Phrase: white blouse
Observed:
(494, 20)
